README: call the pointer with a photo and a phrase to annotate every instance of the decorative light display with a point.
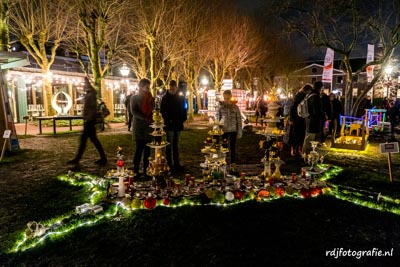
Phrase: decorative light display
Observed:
(246, 189)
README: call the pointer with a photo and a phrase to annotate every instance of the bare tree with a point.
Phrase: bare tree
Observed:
(232, 44)
(152, 33)
(41, 32)
(192, 35)
(97, 35)
(345, 27)
(4, 29)
(277, 59)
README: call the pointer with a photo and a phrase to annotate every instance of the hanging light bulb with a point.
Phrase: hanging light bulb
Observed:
(124, 70)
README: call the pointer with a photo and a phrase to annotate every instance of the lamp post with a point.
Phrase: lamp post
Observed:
(388, 71)
(204, 82)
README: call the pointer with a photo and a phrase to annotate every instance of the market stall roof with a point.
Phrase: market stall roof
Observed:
(13, 60)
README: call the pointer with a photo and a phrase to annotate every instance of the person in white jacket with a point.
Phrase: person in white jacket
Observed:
(230, 113)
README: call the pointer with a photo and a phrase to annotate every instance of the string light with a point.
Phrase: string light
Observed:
(98, 186)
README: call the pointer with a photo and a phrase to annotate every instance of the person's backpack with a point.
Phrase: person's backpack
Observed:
(102, 112)
(302, 107)
(102, 108)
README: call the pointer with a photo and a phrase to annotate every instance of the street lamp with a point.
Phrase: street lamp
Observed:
(124, 70)
(388, 71)
(204, 82)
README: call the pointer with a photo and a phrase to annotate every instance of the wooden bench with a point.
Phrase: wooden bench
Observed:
(56, 118)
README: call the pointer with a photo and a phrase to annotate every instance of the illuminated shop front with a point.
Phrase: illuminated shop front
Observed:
(25, 91)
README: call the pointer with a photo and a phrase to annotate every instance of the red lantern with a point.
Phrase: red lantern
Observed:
(263, 193)
(238, 194)
(306, 193)
(316, 191)
(166, 201)
(120, 163)
(150, 203)
(280, 192)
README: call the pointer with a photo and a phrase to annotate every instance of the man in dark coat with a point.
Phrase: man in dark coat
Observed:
(324, 98)
(333, 112)
(174, 114)
(89, 126)
(296, 126)
(141, 106)
(313, 121)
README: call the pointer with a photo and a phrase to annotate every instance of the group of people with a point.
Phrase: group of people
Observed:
(140, 109)
(323, 120)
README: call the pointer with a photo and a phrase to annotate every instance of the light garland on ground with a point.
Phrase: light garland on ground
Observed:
(97, 186)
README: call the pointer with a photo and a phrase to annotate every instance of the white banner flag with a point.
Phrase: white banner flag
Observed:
(370, 57)
(328, 66)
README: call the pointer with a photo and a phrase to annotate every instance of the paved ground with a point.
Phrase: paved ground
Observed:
(32, 129)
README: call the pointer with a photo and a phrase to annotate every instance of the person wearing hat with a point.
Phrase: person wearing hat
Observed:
(174, 114)
(89, 126)
(232, 127)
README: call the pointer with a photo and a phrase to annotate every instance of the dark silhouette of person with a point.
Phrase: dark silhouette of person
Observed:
(333, 113)
(174, 114)
(324, 104)
(261, 110)
(128, 109)
(313, 121)
(392, 114)
(142, 109)
(89, 126)
(297, 128)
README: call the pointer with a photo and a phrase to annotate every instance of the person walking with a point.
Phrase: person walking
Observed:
(313, 121)
(89, 126)
(141, 106)
(127, 103)
(174, 114)
(232, 127)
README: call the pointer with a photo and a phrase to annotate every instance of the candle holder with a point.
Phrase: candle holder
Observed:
(158, 167)
(215, 152)
(313, 157)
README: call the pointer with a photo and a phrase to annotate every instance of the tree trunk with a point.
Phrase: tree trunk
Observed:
(218, 82)
(108, 98)
(198, 101)
(47, 96)
(152, 69)
(348, 98)
(4, 36)
(190, 98)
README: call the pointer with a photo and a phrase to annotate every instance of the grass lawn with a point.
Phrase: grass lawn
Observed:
(284, 232)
